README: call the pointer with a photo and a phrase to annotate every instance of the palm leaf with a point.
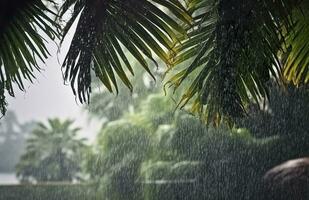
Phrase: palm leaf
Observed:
(106, 28)
(296, 59)
(235, 47)
(21, 42)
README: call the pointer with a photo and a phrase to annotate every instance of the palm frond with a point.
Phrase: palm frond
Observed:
(235, 45)
(296, 59)
(105, 27)
(3, 102)
(21, 23)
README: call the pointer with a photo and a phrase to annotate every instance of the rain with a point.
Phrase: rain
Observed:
(154, 100)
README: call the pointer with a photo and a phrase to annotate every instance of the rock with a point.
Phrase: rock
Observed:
(288, 181)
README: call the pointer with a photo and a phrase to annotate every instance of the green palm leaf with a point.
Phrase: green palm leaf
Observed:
(296, 60)
(21, 23)
(105, 27)
(236, 46)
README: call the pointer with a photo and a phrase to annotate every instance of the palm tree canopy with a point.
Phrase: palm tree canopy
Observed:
(52, 152)
(236, 47)
(105, 28)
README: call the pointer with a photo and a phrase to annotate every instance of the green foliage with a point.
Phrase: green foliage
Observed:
(105, 27)
(296, 62)
(47, 192)
(53, 153)
(184, 159)
(285, 114)
(116, 165)
(156, 109)
(233, 162)
(105, 105)
(236, 46)
(166, 180)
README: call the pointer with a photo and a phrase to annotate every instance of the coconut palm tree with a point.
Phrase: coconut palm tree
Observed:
(52, 153)
(236, 46)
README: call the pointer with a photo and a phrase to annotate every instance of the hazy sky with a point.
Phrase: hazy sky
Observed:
(49, 97)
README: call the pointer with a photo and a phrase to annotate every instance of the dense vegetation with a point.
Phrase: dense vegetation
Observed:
(147, 150)
(151, 155)
(46, 192)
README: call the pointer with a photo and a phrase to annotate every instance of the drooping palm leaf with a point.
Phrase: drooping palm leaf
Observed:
(105, 27)
(235, 45)
(296, 60)
(23, 26)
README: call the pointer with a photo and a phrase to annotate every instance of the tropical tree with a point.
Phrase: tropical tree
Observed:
(236, 46)
(149, 155)
(115, 164)
(53, 153)
(124, 144)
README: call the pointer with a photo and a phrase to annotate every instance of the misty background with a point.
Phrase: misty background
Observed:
(47, 97)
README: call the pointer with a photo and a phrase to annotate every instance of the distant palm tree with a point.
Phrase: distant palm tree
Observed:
(236, 46)
(52, 153)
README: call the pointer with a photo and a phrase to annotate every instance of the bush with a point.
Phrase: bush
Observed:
(57, 191)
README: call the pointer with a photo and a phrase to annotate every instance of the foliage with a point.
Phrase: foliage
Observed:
(184, 159)
(105, 105)
(178, 184)
(236, 46)
(21, 44)
(105, 26)
(232, 160)
(47, 192)
(116, 164)
(53, 153)
(296, 62)
(285, 114)
(228, 161)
